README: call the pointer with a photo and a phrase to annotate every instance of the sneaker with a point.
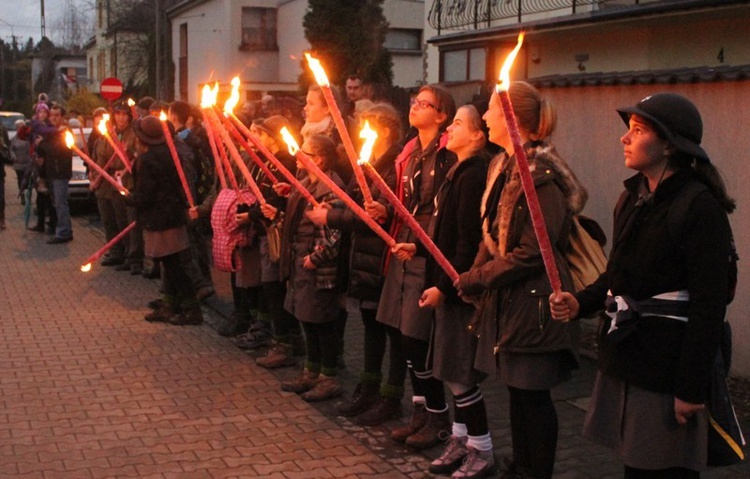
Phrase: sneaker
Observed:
(279, 356)
(37, 228)
(302, 383)
(477, 464)
(190, 317)
(325, 388)
(364, 396)
(255, 340)
(383, 410)
(452, 457)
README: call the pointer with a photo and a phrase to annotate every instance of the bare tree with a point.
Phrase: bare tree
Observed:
(75, 26)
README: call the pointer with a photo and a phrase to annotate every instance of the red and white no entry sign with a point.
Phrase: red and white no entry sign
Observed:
(110, 88)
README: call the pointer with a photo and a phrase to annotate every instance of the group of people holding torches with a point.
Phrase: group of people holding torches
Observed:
(459, 290)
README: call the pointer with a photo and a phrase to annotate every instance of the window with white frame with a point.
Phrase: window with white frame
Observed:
(464, 65)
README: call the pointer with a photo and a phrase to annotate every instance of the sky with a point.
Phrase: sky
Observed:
(22, 18)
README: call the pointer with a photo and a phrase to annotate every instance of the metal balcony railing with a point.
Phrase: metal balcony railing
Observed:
(468, 14)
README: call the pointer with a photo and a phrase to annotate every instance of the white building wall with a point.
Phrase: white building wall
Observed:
(214, 31)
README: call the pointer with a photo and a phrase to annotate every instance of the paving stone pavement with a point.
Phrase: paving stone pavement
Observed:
(90, 390)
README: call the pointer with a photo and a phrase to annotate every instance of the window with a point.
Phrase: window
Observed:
(402, 39)
(464, 65)
(258, 28)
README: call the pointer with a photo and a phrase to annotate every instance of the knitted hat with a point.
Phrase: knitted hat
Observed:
(676, 119)
(149, 130)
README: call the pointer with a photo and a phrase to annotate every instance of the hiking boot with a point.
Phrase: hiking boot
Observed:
(302, 383)
(279, 356)
(364, 396)
(325, 388)
(383, 410)
(452, 457)
(437, 425)
(136, 269)
(477, 464)
(416, 422)
(162, 314)
(189, 317)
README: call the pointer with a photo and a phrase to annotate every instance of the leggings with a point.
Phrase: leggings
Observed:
(322, 345)
(533, 426)
(376, 335)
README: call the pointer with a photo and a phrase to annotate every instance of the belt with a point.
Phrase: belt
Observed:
(625, 311)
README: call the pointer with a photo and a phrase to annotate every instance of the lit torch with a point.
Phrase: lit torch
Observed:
(537, 218)
(86, 266)
(70, 143)
(133, 111)
(322, 79)
(313, 169)
(229, 106)
(175, 158)
(234, 153)
(370, 136)
(104, 130)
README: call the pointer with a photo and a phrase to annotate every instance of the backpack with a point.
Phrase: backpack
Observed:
(585, 253)
(676, 222)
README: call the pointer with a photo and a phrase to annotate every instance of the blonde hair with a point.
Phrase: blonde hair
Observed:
(534, 113)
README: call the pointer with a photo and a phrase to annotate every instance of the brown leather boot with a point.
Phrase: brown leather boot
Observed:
(364, 396)
(162, 314)
(302, 383)
(436, 428)
(383, 410)
(417, 421)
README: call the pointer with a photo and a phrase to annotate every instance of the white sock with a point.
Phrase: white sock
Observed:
(459, 429)
(418, 400)
(480, 443)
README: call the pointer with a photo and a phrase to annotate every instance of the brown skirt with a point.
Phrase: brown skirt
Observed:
(640, 426)
(535, 372)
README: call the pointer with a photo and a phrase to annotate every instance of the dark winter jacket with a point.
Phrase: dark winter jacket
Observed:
(457, 229)
(367, 249)
(58, 158)
(666, 355)
(509, 262)
(159, 198)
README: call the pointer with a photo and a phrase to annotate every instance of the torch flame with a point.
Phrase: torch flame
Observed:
(86, 267)
(317, 69)
(234, 97)
(69, 141)
(504, 83)
(162, 116)
(131, 102)
(102, 126)
(208, 96)
(369, 135)
(291, 143)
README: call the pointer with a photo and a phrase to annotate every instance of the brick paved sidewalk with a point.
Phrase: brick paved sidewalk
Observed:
(88, 389)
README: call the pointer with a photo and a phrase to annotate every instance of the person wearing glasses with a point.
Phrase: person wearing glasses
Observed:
(421, 168)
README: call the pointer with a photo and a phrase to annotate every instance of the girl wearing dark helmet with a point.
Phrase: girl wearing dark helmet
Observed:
(648, 402)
